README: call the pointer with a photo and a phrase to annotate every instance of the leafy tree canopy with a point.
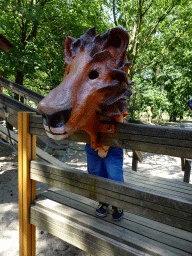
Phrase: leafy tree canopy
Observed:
(160, 45)
(38, 29)
(160, 50)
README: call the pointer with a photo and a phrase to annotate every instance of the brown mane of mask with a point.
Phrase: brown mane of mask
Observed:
(110, 45)
(95, 82)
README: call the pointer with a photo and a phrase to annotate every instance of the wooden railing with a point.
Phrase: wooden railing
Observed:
(20, 90)
(155, 139)
(173, 209)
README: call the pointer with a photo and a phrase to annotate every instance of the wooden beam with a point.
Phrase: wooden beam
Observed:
(174, 209)
(134, 162)
(14, 106)
(187, 171)
(21, 90)
(132, 226)
(20, 181)
(27, 187)
(146, 138)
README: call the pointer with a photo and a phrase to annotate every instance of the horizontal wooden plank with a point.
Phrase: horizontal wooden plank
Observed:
(84, 238)
(106, 229)
(156, 131)
(154, 185)
(138, 138)
(134, 205)
(152, 139)
(21, 90)
(170, 220)
(14, 106)
(101, 191)
(177, 151)
(113, 186)
(81, 136)
(172, 210)
(144, 130)
(137, 226)
(88, 206)
(160, 180)
(159, 140)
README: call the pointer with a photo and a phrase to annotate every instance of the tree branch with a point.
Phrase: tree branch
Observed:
(156, 24)
(136, 30)
(168, 52)
(114, 15)
(146, 65)
(147, 9)
(179, 36)
(33, 31)
(125, 16)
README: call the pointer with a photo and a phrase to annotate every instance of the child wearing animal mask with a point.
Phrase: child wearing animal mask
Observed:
(107, 162)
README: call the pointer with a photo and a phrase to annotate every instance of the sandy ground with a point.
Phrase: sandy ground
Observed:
(157, 165)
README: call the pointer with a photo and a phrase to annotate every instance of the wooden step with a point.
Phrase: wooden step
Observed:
(72, 218)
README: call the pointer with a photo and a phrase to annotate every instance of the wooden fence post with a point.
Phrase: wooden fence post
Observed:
(134, 162)
(137, 156)
(27, 187)
(187, 171)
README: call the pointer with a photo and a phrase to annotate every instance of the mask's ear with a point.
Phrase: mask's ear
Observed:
(67, 50)
(117, 43)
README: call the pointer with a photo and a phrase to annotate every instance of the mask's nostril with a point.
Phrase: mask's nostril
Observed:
(44, 117)
(58, 119)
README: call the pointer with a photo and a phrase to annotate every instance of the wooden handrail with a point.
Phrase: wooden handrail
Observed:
(21, 90)
(155, 139)
(15, 106)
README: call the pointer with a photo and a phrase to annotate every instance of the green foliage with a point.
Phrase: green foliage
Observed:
(160, 45)
(38, 30)
(160, 50)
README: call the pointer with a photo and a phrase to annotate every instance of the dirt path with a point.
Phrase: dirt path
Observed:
(157, 165)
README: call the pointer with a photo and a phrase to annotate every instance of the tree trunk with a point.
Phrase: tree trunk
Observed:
(159, 114)
(19, 80)
(173, 117)
(150, 114)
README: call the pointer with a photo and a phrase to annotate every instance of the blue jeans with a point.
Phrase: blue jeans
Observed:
(109, 167)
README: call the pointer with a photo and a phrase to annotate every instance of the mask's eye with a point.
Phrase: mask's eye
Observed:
(93, 74)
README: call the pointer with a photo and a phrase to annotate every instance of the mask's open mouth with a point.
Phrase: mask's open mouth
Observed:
(56, 121)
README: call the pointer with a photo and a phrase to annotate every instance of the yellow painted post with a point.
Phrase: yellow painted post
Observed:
(27, 187)
(20, 180)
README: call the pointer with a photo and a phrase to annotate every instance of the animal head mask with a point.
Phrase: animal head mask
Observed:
(95, 84)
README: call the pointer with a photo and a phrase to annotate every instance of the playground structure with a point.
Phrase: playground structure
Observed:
(158, 217)
(158, 212)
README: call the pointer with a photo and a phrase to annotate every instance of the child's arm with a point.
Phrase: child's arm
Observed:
(103, 150)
